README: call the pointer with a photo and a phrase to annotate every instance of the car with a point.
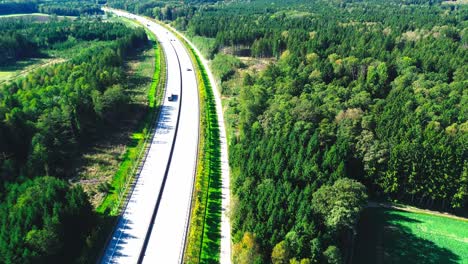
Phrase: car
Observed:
(188, 69)
(171, 97)
(148, 25)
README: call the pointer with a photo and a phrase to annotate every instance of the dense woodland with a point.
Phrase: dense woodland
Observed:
(364, 98)
(45, 120)
(369, 93)
(61, 8)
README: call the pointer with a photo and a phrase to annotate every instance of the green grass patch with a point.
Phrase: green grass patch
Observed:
(128, 22)
(6, 75)
(394, 236)
(211, 226)
(153, 91)
(138, 136)
(21, 68)
(113, 200)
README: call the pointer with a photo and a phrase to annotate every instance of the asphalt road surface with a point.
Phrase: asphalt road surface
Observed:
(225, 254)
(153, 226)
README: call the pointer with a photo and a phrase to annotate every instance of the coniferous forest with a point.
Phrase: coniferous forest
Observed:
(46, 119)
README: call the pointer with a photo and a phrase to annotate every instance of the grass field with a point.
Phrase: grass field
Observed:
(393, 236)
(207, 46)
(21, 68)
(39, 17)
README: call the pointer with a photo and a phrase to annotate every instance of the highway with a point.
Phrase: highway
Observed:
(153, 224)
(225, 254)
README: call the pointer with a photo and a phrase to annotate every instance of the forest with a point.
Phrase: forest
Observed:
(364, 98)
(353, 101)
(61, 8)
(46, 118)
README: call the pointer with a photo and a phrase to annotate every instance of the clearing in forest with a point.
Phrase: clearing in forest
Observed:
(387, 235)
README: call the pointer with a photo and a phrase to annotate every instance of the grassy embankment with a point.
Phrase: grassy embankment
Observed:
(204, 234)
(36, 16)
(140, 138)
(206, 215)
(388, 235)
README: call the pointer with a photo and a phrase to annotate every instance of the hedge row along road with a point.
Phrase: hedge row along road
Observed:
(152, 226)
(225, 254)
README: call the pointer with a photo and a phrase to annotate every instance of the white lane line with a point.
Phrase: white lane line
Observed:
(168, 235)
(225, 257)
(129, 234)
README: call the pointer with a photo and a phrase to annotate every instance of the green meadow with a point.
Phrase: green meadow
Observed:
(394, 236)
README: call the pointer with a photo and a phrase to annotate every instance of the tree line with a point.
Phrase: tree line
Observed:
(22, 39)
(61, 8)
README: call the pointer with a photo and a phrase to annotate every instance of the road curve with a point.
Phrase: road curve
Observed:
(152, 226)
(225, 254)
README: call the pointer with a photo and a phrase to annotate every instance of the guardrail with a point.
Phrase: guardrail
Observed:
(158, 201)
(189, 213)
(140, 161)
(200, 67)
(189, 209)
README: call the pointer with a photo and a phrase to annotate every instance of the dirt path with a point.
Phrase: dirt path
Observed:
(408, 208)
(31, 68)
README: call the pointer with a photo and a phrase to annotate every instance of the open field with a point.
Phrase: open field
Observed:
(207, 46)
(21, 68)
(387, 235)
(39, 17)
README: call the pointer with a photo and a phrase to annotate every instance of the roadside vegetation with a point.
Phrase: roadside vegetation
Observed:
(70, 122)
(147, 75)
(203, 238)
(211, 224)
(372, 91)
(62, 8)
